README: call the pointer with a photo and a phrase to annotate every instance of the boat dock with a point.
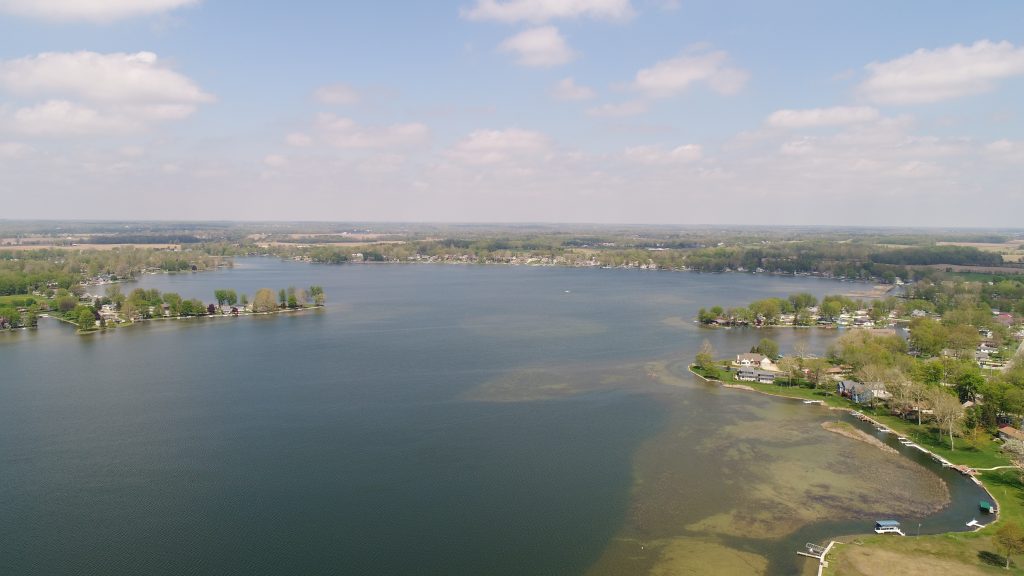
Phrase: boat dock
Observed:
(818, 553)
(888, 527)
(961, 468)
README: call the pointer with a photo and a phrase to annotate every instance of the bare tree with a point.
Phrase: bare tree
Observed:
(949, 413)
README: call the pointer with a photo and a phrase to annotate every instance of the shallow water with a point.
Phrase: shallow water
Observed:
(432, 420)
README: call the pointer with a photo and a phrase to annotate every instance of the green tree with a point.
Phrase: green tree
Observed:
(802, 301)
(831, 310)
(282, 297)
(968, 383)
(317, 293)
(1010, 539)
(86, 319)
(767, 347)
(928, 336)
(705, 358)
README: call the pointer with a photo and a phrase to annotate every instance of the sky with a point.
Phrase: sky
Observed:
(788, 112)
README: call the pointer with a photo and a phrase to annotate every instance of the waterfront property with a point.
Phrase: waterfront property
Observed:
(862, 392)
(751, 375)
(1011, 433)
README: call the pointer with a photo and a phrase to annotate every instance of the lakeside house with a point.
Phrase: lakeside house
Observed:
(862, 392)
(752, 375)
(1010, 433)
(754, 360)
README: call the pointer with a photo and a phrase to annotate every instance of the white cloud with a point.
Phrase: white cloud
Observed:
(117, 77)
(656, 155)
(94, 10)
(86, 93)
(942, 74)
(539, 47)
(337, 94)
(1006, 150)
(817, 117)
(346, 133)
(275, 161)
(620, 110)
(63, 118)
(671, 77)
(545, 10)
(298, 139)
(132, 151)
(13, 149)
(496, 146)
(568, 89)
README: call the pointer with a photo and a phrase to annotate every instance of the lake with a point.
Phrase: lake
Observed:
(448, 420)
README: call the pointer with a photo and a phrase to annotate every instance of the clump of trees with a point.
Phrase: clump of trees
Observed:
(287, 298)
(767, 347)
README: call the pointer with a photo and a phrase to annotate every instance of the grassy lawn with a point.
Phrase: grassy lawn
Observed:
(5, 300)
(939, 555)
(801, 392)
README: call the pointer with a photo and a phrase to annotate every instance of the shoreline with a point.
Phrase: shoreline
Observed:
(144, 321)
(874, 422)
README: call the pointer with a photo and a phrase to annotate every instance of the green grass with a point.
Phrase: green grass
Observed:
(801, 392)
(982, 276)
(8, 300)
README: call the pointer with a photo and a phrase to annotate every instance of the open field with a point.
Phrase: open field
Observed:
(1011, 251)
(88, 246)
(977, 269)
(940, 555)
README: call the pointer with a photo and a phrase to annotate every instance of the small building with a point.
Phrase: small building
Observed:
(752, 375)
(1010, 433)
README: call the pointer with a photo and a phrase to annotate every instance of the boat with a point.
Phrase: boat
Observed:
(987, 507)
(888, 527)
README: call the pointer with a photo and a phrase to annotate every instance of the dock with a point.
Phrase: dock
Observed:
(818, 553)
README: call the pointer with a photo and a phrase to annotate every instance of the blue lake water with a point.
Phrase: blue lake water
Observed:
(356, 439)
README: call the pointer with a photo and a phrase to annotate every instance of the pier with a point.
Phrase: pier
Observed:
(818, 553)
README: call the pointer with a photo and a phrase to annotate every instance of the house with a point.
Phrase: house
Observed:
(754, 360)
(861, 392)
(838, 371)
(878, 390)
(751, 375)
(1005, 319)
(1011, 433)
(986, 349)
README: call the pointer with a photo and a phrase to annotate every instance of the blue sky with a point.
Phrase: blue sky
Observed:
(640, 111)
